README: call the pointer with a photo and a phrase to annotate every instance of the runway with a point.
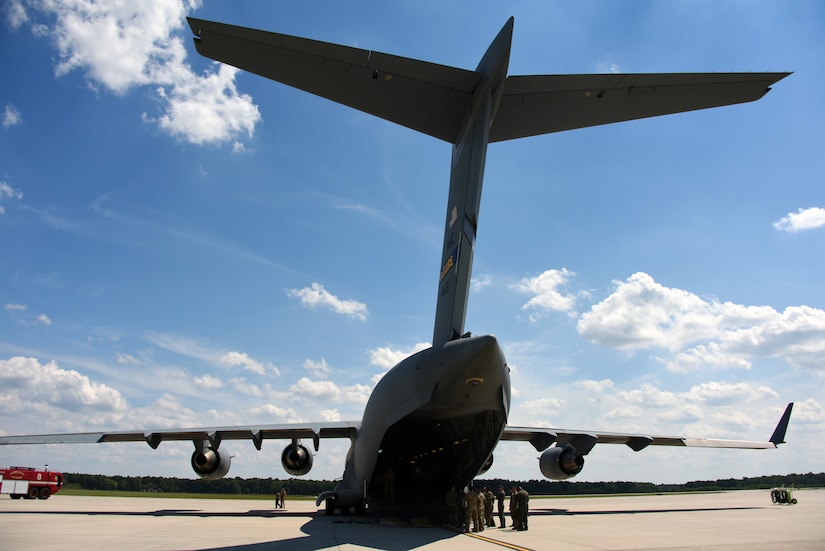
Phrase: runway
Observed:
(745, 520)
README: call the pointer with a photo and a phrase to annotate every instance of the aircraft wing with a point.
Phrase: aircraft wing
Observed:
(583, 441)
(540, 104)
(424, 96)
(214, 435)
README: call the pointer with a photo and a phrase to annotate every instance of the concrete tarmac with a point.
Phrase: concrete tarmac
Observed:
(744, 520)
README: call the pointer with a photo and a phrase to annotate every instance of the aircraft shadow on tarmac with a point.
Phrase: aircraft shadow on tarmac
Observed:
(320, 530)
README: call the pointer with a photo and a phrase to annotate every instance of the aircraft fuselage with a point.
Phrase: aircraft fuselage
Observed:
(431, 423)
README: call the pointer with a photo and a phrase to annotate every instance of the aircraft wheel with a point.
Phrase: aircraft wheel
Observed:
(45, 493)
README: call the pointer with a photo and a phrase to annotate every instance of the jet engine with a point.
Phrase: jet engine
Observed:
(296, 459)
(210, 464)
(561, 462)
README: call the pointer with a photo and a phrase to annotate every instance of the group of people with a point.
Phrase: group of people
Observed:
(477, 507)
(280, 499)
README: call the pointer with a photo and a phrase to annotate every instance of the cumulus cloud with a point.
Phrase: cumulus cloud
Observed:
(316, 295)
(11, 116)
(643, 314)
(208, 382)
(386, 357)
(805, 219)
(8, 192)
(122, 44)
(549, 296)
(27, 381)
(328, 391)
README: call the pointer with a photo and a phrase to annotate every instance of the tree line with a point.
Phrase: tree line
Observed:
(297, 486)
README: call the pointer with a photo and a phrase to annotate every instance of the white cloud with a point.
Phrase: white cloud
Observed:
(121, 44)
(318, 369)
(193, 349)
(316, 295)
(127, 359)
(480, 282)
(328, 391)
(727, 393)
(643, 314)
(805, 219)
(6, 191)
(208, 382)
(330, 415)
(236, 359)
(241, 385)
(208, 108)
(30, 382)
(548, 297)
(43, 319)
(11, 116)
(16, 14)
(386, 357)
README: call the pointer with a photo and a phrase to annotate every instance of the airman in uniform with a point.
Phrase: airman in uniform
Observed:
(489, 500)
(522, 497)
(470, 503)
(500, 497)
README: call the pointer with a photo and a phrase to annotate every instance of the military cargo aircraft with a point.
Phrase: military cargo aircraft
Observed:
(433, 421)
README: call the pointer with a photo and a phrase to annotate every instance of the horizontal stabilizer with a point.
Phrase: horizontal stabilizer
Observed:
(540, 104)
(426, 97)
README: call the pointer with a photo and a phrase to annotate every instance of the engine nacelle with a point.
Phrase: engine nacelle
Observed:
(210, 464)
(560, 463)
(486, 467)
(296, 459)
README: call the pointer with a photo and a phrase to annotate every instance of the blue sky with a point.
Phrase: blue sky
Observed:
(187, 245)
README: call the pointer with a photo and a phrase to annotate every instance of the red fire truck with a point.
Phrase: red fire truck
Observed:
(30, 483)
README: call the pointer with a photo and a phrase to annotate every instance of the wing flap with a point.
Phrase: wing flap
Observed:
(541, 104)
(426, 97)
(214, 435)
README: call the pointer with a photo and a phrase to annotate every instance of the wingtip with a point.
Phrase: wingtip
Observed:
(778, 436)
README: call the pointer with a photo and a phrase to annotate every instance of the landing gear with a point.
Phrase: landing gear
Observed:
(329, 506)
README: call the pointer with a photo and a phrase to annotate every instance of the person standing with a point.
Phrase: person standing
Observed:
(471, 504)
(283, 498)
(522, 499)
(489, 501)
(500, 497)
(513, 509)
